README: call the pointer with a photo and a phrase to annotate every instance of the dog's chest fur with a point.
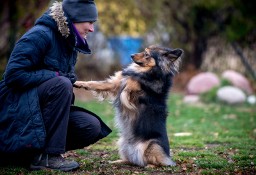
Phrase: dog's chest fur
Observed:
(138, 107)
(126, 104)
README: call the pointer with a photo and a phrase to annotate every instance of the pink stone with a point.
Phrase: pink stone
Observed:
(237, 80)
(202, 82)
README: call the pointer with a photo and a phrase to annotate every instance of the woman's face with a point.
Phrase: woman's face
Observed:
(84, 28)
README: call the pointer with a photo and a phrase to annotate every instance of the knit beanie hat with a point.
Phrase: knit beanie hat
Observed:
(80, 10)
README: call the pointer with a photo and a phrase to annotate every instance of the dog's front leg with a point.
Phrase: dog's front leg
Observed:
(97, 85)
(111, 84)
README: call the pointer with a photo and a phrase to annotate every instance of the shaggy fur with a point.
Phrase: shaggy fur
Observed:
(57, 13)
(139, 94)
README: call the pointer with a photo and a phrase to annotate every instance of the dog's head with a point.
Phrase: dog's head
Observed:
(166, 58)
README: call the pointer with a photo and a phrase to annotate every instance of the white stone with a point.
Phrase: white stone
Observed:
(251, 99)
(191, 99)
(181, 134)
(231, 95)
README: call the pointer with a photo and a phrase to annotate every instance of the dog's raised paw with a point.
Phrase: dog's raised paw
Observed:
(77, 84)
(80, 84)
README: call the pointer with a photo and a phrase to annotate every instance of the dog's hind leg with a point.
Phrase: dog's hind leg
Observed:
(155, 156)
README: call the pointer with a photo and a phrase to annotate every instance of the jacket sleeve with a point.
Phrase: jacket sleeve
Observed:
(24, 69)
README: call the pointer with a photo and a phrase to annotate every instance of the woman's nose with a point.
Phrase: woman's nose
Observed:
(91, 29)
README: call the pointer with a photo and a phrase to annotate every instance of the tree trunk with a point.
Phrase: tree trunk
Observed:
(244, 60)
(200, 46)
(13, 25)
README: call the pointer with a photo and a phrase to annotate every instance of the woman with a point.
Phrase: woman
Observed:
(37, 115)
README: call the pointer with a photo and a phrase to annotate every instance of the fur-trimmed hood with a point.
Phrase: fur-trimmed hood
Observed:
(56, 19)
(57, 13)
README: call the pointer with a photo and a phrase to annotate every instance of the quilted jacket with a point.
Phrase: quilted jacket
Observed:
(48, 47)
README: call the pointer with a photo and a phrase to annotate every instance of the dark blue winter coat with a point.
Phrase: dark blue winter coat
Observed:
(49, 47)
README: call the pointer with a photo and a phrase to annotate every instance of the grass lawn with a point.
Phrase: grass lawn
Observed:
(204, 138)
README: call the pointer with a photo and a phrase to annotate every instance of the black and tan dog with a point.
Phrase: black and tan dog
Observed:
(139, 94)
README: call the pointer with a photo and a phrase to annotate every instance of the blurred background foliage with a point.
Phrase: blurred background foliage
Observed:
(16, 17)
(213, 33)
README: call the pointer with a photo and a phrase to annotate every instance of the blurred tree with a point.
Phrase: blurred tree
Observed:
(120, 17)
(16, 16)
(185, 24)
(189, 24)
(193, 23)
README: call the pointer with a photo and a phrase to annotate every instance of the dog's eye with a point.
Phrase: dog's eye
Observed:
(146, 54)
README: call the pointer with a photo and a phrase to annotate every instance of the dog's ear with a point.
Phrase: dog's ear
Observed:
(173, 54)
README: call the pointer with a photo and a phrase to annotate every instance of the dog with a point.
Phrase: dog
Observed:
(139, 94)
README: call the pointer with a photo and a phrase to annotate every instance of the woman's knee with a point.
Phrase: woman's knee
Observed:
(92, 128)
(83, 130)
(55, 88)
(85, 125)
(64, 84)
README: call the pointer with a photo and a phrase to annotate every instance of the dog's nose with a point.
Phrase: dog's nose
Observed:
(132, 55)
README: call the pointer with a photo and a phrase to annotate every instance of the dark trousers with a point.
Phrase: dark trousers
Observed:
(67, 128)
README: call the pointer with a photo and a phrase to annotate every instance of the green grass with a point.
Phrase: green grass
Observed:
(222, 141)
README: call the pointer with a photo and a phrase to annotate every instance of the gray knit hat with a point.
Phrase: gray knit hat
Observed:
(80, 10)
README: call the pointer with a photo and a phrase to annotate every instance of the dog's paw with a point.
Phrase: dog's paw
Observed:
(170, 163)
(80, 84)
(150, 166)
